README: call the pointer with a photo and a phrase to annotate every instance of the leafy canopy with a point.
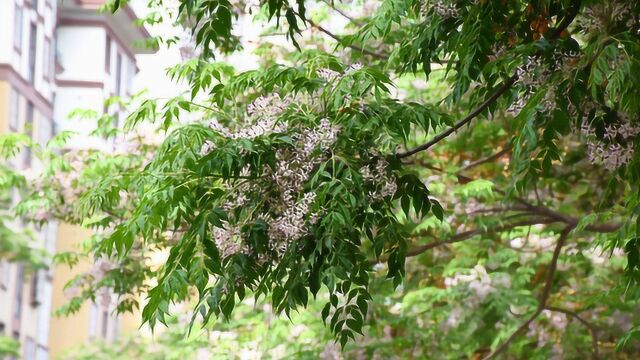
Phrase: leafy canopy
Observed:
(302, 174)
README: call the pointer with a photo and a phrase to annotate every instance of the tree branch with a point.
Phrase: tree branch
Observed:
(501, 90)
(592, 329)
(487, 159)
(344, 14)
(538, 209)
(464, 236)
(572, 12)
(544, 296)
(339, 39)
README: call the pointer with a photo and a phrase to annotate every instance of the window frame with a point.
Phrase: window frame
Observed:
(14, 109)
(32, 56)
(18, 27)
(29, 121)
(107, 53)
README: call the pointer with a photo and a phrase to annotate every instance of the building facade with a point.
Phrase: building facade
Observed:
(56, 56)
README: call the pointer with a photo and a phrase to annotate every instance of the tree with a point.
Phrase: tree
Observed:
(301, 175)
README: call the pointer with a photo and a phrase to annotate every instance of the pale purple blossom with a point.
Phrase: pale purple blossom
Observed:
(384, 183)
(228, 240)
(328, 75)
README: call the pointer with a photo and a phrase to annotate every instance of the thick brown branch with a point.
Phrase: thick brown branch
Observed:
(466, 235)
(538, 209)
(544, 296)
(572, 12)
(592, 329)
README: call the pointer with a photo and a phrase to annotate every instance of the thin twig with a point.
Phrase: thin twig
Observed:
(340, 40)
(345, 15)
(501, 90)
(487, 159)
(544, 296)
(592, 329)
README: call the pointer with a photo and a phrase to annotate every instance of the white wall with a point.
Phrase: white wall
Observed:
(81, 50)
(6, 30)
(72, 98)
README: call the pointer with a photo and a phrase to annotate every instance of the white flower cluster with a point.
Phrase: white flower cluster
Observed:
(321, 137)
(479, 281)
(597, 15)
(293, 168)
(549, 101)
(556, 321)
(533, 73)
(263, 113)
(329, 75)
(480, 284)
(290, 225)
(612, 155)
(228, 240)
(565, 60)
(207, 147)
(290, 210)
(66, 182)
(533, 242)
(385, 184)
(237, 201)
(442, 8)
(269, 106)
(292, 172)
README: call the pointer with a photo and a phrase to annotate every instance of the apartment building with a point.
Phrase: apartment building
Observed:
(55, 56)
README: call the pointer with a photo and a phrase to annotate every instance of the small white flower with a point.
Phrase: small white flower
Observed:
(328, 75)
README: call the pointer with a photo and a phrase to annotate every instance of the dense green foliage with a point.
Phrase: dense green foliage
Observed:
(293, 180)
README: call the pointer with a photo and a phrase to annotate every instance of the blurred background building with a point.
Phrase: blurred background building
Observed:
(56, 56)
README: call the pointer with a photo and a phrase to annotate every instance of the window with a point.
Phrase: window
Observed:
(17, 300)
(17, 28)
(119, 75)
(93, 320)
(105, 323)
(28, 130)
(33, 298)
(45, 130)
(47, 59)
(2, 328)
(29, 349)
(107, 55)
(116, 327)
(14, 110)
(5, 274)
(33, 32)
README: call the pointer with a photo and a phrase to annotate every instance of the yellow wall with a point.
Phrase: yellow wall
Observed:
(68, 333)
